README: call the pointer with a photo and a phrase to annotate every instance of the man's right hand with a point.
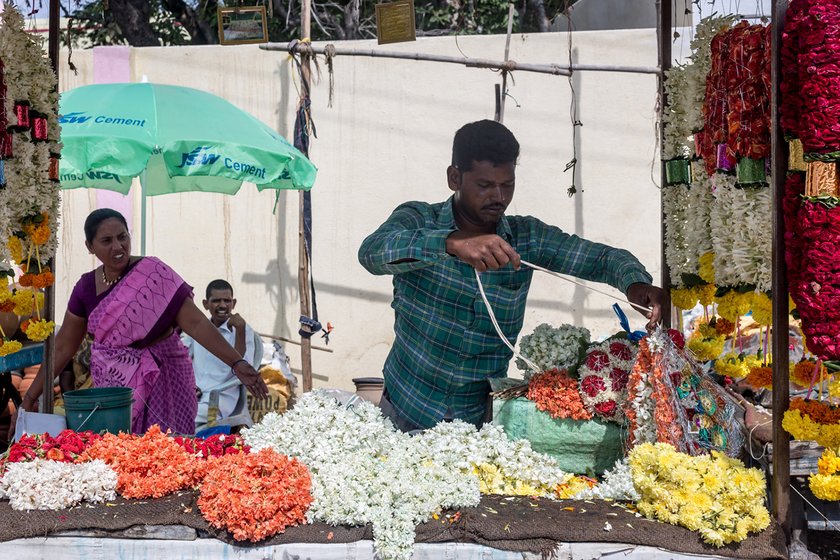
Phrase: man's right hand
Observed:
(236, 321)
(482, 251)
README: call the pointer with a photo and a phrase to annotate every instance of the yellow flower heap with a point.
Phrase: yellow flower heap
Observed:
(714, 495)
(826, 483)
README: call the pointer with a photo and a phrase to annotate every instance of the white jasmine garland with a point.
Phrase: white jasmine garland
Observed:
(675, 201)
(677, 130)
(740, 220)
(44, 484)
(28, 77)
(549, 348)
(364, 471)
(698, 230)
(617, 484)
(701, 64)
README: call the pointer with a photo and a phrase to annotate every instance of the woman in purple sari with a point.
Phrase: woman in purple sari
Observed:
(131, 306)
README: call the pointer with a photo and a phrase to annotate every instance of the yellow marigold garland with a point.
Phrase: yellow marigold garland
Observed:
(15, 248)
(732, 305)
(736, 366)
(707, 267)
(762, 308)
(10, 347)
(706, 343)
(684, 298)
(714, 495)
(39, 330)
(803, 428)
(826, 483)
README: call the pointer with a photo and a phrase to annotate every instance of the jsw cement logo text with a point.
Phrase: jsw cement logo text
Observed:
(199, 156)
(80, 117)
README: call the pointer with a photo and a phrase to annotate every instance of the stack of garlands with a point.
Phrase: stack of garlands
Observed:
(825, 484)
(556, 393)
(712, 494)
(811, 420)
(604, 374)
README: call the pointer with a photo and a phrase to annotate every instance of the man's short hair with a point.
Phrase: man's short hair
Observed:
(483, 141)
(218, 284)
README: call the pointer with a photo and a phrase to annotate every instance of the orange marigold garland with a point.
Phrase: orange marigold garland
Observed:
(760, 377)
(148, 466)
(255, 495)
(556, 393)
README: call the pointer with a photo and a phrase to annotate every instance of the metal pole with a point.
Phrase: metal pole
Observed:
(143, 210)
(47, 400)
(663, 35)
(303, 265)
(780, 485)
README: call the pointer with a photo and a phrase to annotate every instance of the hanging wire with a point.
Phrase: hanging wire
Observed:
(572, 165)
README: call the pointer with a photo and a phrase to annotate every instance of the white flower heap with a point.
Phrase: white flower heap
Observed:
(553, 348)
(604, 375)
(45, 484)
(363, 471)
(616, 484)
(29, 141)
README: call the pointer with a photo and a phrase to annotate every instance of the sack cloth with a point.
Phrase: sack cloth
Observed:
(578, 446)
(508, 523)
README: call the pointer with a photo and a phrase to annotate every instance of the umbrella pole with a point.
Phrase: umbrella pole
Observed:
(303, 272)
(143, 213)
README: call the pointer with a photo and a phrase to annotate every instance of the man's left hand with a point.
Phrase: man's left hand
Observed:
(236, 321)
(646, 295)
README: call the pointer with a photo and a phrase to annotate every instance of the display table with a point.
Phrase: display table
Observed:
(514, 524)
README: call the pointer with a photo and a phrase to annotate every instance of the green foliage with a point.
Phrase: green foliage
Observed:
(92, 25)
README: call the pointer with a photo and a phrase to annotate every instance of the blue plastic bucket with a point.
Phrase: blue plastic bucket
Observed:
(101, 409)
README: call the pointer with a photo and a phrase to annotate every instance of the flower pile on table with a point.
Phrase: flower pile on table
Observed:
(364, 471)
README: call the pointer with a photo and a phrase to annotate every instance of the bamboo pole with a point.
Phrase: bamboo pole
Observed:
(503, 94)
(663, 35)
(780, 485)
(510, 66)
(303, 265)
(47, 400)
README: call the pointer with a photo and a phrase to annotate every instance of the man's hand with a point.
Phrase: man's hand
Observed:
(236, 321)
(482, 251)
(251, 379)
(646, 295)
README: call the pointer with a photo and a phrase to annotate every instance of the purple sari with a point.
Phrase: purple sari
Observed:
(159, 371)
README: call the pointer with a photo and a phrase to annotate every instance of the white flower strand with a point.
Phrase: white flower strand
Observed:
(698, 231)
(617, 484)
(45, 484)
(675, 205)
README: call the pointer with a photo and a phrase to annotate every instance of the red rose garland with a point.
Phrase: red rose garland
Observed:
(790, 109)
(794, 188)
(714, 107)
(604, 375)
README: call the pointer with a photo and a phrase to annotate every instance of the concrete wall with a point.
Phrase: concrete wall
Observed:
(387, 139)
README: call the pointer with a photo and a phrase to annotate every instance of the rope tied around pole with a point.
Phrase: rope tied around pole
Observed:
(329, 55)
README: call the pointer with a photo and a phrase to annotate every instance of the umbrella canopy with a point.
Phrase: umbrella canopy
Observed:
(183, 139)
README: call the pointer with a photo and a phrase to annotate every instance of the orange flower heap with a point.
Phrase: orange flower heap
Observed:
(147, 466)
(255, 495)
(556, 393)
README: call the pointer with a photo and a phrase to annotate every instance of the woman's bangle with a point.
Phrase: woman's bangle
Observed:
(233, 365)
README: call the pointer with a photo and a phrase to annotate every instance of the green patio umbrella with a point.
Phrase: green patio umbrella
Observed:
(176, 139)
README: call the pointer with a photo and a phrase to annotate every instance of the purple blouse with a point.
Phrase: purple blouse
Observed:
(84, 300)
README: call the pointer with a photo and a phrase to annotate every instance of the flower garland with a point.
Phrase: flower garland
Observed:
(825, 484)
(802, 427)
(255, 495)
(557, 394)
(616, 484)
(706, 342)
(803, 373)
(30, 135)
(675, 207)
(148, 466)
(604, 375)
(553, 348)
(67, 446)
(736, 366)
(760, 377)
(46, 484)
(714, 495)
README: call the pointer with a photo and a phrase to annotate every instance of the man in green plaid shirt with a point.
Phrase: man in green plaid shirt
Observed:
(445, 346)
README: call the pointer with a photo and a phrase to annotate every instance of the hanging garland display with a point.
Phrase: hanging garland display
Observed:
(29, 199)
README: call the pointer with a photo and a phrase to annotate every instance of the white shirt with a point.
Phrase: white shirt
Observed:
(211, 372)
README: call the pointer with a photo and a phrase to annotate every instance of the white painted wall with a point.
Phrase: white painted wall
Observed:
(387, 139)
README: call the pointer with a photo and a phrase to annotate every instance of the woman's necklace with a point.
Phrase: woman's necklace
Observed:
(109, 282)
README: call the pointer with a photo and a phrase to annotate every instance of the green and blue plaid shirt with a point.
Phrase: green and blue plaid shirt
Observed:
(445, 347)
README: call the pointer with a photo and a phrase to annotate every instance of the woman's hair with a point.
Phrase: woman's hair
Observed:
(483, 141)
(97, 217)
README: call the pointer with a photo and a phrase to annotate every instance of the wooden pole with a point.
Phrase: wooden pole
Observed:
(303, 266)
(554, 69)
(503, 93)
(47, 401)
(780, 485)
(663, 33)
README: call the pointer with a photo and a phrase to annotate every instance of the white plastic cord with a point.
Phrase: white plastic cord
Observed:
(829, 521)
(534, 367)
(582, 285)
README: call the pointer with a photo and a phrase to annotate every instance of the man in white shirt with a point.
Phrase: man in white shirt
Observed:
(210, 372)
